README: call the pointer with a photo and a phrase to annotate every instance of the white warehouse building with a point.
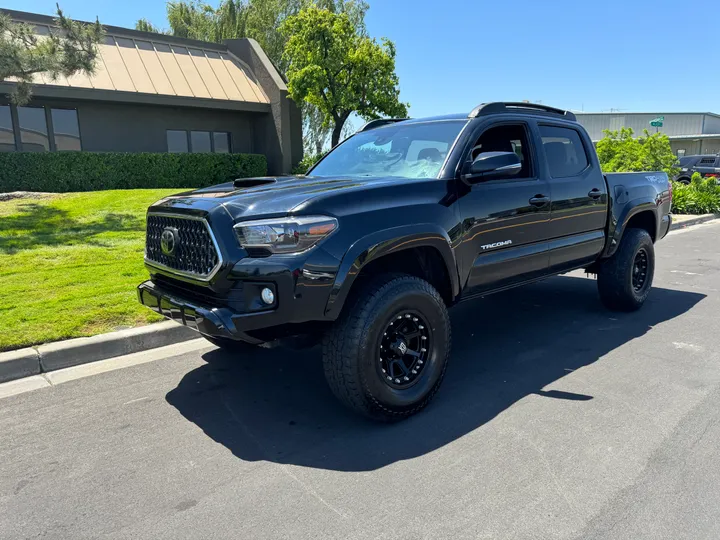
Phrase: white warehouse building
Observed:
(689, 133)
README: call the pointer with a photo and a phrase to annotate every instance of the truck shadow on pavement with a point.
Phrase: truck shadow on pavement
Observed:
(275, 406)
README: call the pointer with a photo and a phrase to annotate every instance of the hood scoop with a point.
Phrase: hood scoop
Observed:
(252, 182)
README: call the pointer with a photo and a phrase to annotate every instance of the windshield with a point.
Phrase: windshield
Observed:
(415, 150)
(685, 161)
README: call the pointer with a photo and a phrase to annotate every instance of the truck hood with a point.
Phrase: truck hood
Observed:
(268, 196)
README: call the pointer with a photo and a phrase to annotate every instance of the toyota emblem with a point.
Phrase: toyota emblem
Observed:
(169, 241)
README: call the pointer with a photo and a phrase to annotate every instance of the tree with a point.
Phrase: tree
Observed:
(257, 19)
(620, 151)
(338, 69)
(146, 26)
(69, 49)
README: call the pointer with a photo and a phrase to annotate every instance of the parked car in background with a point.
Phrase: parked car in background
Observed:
(708, 165)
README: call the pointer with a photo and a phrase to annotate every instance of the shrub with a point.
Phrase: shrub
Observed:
(92, 171)
(620, 151)
(307, 161)
(700, 196)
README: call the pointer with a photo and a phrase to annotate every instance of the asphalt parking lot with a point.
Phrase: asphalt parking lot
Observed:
(557, 419)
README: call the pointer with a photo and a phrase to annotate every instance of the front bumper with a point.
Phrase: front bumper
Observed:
(211, 321)
(235, 311)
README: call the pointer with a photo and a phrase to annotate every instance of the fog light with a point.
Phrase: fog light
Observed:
(267, 296)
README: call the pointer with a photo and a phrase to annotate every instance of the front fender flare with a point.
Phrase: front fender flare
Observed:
(380, 243)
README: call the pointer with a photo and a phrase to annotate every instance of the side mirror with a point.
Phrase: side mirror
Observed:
(493, 164)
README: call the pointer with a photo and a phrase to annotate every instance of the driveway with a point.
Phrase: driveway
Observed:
(557, 419)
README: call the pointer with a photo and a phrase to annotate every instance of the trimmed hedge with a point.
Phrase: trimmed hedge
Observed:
(61, 172)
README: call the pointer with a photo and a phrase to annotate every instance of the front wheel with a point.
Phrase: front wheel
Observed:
(386, 355)
(625, 279)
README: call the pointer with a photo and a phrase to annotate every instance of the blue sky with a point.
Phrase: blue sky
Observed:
(632, 55)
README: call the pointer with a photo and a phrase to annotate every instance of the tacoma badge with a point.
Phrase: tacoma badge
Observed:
(496, 245)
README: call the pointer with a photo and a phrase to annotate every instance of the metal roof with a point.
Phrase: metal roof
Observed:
(154, 64)
(585, 113)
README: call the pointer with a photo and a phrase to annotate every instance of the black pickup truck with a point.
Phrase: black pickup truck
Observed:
(396, 224)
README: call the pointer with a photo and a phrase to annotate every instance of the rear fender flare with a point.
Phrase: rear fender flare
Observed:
(619, 223)
(373, 246)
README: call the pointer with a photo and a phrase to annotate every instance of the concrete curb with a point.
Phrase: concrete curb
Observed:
(695, 220)
(72, 352)
(18, 364)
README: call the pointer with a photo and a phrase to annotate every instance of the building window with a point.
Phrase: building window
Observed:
(200, 141)
(681, 152)
(33, 129)
(221, 142)
(66, 129)
(177, 141)
(7, 134)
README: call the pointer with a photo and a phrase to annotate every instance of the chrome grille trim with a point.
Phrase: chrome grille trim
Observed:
(175, 271)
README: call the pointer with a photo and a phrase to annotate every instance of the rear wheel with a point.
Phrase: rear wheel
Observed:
(386, 355)
(625, 279)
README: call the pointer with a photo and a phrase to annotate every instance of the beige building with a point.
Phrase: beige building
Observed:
(158, 93)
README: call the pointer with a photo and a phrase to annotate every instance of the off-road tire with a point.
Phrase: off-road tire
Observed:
(615, 275)
(350, 347)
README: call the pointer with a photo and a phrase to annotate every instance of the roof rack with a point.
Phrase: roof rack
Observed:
(372, 124)
(511, 107)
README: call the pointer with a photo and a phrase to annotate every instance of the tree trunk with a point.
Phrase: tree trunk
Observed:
(337, 131)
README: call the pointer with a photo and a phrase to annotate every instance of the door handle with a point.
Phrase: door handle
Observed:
(539, 200)
(595, 193)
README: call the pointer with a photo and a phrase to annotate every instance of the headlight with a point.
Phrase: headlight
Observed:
(684, 169)
(285, 235)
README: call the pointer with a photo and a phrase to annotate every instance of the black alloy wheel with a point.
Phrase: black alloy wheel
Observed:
(404, 349)
(640, 270)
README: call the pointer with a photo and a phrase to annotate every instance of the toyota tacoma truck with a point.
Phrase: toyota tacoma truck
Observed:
(395, 225)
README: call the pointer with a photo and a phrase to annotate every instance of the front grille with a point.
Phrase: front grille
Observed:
(194, 253)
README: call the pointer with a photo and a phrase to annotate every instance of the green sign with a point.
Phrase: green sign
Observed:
(657, 122)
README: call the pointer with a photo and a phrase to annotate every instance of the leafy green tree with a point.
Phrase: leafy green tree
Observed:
(257, 19)
(146, 26)
(196, 20)
(70, 48)
(339, 70)
(620, 151)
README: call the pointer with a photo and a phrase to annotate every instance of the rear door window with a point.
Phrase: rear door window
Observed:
(564, 151)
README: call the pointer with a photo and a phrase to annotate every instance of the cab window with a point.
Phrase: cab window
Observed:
(506, 138)
(564, 151)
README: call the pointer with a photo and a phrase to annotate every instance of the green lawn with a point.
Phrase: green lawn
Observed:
(69, 265)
